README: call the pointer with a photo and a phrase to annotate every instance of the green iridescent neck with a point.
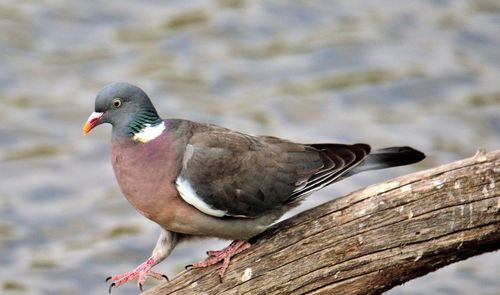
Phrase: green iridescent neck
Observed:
(146, 117)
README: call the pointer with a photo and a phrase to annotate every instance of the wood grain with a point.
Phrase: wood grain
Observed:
(370, 240)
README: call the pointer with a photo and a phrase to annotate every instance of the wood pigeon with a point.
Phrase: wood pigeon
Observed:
(203, 180)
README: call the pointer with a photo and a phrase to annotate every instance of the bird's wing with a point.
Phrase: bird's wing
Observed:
(226, 173)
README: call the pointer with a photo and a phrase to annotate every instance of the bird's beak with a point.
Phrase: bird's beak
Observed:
(94, 120)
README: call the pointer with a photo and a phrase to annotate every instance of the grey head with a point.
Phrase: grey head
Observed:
(126, 107)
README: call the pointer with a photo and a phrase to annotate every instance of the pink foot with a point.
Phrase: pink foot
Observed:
(140, 272)
(223, 255)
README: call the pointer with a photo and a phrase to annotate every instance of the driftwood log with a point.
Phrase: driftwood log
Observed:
(368, 241)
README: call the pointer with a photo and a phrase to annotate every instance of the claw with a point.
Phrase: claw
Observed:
(111, 287)
(188, 267)
(166, 278)
(140, 273)
(223, 255)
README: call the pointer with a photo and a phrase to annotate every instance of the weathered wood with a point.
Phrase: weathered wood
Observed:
(368, 241)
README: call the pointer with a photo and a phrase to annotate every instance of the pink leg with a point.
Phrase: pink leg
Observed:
(140, 273)
(223, 255)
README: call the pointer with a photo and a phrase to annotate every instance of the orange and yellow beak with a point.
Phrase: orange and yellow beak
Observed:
(94, 120)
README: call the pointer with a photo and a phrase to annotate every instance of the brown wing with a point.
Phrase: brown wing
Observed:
(243, 175)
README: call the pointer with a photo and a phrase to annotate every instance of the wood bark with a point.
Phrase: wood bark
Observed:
(370, 240)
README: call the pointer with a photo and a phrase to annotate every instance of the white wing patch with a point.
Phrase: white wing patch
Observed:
(149, 132)
(189, 195)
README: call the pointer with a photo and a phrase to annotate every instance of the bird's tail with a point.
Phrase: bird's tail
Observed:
(387, 157)
(341, 161)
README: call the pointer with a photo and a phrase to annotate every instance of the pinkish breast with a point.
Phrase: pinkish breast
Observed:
(146, 173)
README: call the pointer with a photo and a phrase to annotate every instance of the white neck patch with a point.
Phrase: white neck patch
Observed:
(149, 132)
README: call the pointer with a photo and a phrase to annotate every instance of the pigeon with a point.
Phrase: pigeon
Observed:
(201, 180)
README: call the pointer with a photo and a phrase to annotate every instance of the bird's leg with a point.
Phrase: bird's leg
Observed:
(223, 255)
(165, 245)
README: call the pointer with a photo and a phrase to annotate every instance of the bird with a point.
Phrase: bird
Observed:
(198, 180)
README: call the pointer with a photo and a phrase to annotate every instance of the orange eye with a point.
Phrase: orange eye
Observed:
(116, 103)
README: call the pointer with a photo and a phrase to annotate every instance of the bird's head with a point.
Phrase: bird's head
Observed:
(126, 107)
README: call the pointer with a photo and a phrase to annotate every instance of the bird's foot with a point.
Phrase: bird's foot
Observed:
(223, 255)
(140, 273)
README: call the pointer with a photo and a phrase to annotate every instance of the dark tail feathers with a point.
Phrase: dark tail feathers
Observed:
(388, 157)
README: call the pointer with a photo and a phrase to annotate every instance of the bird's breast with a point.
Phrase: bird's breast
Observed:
(146, 175)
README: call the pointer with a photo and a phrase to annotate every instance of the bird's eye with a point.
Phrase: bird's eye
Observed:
(116, 102)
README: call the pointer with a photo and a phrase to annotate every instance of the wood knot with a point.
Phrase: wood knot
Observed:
(480, 155)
